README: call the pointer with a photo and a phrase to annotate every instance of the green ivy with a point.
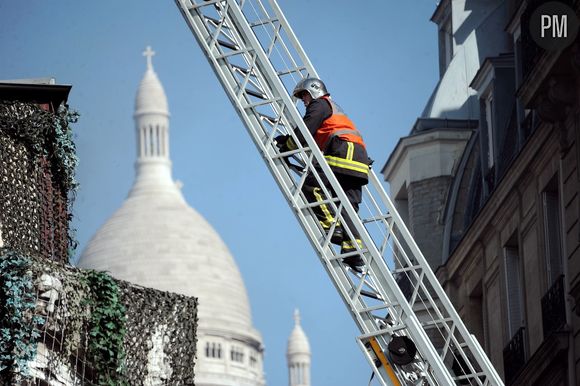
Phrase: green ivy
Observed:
(106, 329)
(108, 323)
(64, 150)
(64, 147)
(18, 333)
(46, 134)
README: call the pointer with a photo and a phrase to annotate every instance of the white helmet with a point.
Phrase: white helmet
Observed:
(315, 87)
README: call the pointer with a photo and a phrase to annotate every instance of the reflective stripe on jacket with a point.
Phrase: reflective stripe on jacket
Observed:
(342, 145)
(348, 158)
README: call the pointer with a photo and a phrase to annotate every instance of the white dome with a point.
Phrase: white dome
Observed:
(297, 342)
(157, 240)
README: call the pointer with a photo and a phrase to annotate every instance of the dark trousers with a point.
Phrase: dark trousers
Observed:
(352, 188)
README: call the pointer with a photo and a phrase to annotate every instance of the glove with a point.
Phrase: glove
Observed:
(285, 143)
(281, 142)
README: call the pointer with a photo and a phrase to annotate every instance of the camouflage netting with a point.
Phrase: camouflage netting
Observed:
(37, 164)
(60, 325)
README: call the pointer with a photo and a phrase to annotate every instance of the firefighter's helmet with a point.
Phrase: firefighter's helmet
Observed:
(315, 87)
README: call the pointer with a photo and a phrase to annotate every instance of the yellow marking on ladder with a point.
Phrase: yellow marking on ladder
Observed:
(383, 359)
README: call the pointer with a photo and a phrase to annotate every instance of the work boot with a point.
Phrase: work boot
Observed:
(348, 246)
(337, 235)
(354, 262)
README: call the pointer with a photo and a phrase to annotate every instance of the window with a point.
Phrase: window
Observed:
(253, 360)
(237, 354)
(298, 373)
(489, 126)
(402, 204)
(552, 231)
(514, 286)
(521, 111)
(476, 316)
(487, 134)
(445, 40)
(213, 350)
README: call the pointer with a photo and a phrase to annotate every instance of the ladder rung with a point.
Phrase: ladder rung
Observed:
(373, 308)
(229, 45)
(288, 154)
(232, 53)
(468, 376)
(312, 204)
(348, 254)
(370, 294)
(407, 269)
(290, 71)
(215, 21)
(255, 94)
(384, 331)
(261, 103)
(434, 323)
(240, 69)
(262, 22)
(199, 5)
(268, 117)
(376, 219)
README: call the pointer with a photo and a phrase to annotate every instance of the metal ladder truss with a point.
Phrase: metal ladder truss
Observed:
(258, 59)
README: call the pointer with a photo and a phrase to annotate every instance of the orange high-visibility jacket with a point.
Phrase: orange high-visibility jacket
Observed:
(342, 144)
(337, 125)
(337, 137)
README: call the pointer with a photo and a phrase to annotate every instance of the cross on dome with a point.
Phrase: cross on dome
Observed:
(149, 54)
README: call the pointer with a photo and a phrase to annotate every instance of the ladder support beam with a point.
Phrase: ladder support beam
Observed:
(255, 55)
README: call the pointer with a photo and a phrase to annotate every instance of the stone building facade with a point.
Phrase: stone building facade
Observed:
(490, 192)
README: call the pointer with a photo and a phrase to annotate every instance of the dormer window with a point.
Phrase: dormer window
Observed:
(442, 17)
(494, 84)
(445, 44)
(488, 106)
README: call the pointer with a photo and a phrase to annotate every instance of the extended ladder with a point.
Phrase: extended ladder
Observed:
(257, 58)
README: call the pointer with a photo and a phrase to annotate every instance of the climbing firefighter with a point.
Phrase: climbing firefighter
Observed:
(345, 152)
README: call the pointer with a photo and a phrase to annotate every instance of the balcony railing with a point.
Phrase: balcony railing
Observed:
(514, 356)
(554, 307)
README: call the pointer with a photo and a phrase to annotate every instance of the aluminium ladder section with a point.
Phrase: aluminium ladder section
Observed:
(257, 59)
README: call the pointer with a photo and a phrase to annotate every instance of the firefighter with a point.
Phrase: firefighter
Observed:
(345, 152)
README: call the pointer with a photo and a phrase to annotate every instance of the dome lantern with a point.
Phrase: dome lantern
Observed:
(298, 355)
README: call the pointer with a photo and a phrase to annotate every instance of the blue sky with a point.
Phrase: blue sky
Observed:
(379, 61)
